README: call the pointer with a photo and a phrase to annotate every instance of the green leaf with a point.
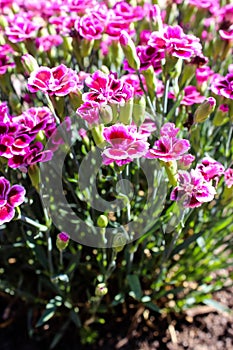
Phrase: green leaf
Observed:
(135, 286)
(47, 315)
(152, 306)
(75, 318)
(218, 306)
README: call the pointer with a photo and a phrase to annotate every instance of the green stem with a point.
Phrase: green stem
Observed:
(165, 96)
(31, 222)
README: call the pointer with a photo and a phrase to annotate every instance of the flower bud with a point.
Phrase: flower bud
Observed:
(150, 79)
(125, 115)
(97, 134)
(62, 240)
(102, 221)
(3, 22)
(129, 50)
(34, 174)
(101, 290)
(119, 241)
(29, 63)
(106, 114)
(204, 110)
(86, 47)
(221, 116)
(139, 109)
(75, 98)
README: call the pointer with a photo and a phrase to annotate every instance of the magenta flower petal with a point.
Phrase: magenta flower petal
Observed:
(7, 212)
(16, 195)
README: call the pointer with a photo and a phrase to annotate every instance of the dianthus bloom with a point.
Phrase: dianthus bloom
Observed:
(175, 42)
(193, 190)
(5, 63)
(168, 147)
(45, 43)
(10, 197)
(107, 89)
(59, 81)
(21, 29)
(124, 145)
(228, 177)
(89, 27)
(210, 169)
(223, 86)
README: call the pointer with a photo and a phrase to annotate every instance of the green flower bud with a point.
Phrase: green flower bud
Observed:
(34, 174)
(222, 115)
(119, 241)
(97, 134)
(3, 22)
(139, 109)
(101, 290)
(126, 111)
(75, 99)
(102, 221)
(106, 114)
(62, 240)
(204, 110)
(187, 75)
(86, 47)
(29, 63)
(129, 50)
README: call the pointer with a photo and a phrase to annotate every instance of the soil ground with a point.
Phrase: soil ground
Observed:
(201, 328)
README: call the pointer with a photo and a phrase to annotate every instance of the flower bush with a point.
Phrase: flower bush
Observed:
(116, 121)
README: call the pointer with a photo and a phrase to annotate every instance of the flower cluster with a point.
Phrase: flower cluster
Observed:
(110, 65)
(10, 197)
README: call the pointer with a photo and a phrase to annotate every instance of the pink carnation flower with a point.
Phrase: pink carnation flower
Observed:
(203, 74)
(228, 177)
(89, 27)
(210, 169)
(34, 120)
(193, 190)
(59, 81)
(128, 12)
(226, 34)
(45, 43)
(192, 96)
(107, 89)
(10, 197)
(223, 86)
(5, 63)
(21, 29)
(175, 42)
(89, 112)
(124, 145)
(168, 147)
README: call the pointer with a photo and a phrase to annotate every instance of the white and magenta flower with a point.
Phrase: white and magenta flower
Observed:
(168, 147)
(5, 63)
(89, 27)
(45, 43)
(193, 190)
(210, 169)
(124, 145)
(228, 177)
(10, 197)
(59, 81)
(89, 112)
(128, 12)
(34, 120)
(20, 29)
(223, 86)
(176, 43)
(203, 74)
(107, 89)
